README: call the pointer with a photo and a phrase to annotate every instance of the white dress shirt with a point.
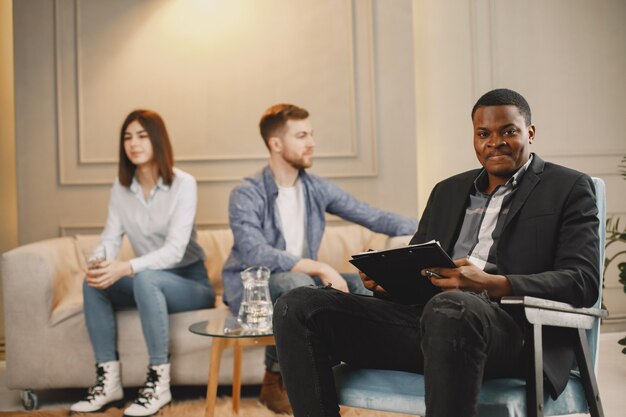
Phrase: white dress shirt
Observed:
(161, 228)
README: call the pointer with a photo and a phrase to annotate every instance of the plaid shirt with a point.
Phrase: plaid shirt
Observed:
(484, 219)
(258, 238)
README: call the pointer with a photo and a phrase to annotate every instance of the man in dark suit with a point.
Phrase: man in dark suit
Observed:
(518, 226)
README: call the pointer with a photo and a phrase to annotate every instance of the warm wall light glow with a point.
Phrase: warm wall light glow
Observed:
(196, 23)
(203, 6)
(223, 61)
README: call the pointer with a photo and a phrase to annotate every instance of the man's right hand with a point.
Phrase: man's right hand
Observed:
(325, 272)
(335, 279)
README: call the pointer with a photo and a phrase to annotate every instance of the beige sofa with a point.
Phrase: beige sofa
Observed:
(46, 339)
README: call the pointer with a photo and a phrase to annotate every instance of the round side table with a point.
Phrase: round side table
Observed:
(227, 333)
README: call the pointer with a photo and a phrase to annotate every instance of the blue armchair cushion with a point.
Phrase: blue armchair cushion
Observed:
(403, 392)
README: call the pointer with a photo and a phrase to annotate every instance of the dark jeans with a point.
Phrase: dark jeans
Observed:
(155, 293)
(283, 282)
(455, 340)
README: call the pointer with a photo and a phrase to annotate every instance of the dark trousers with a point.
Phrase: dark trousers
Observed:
(455, 340)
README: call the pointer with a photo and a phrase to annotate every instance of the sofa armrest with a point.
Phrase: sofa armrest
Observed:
(42, 283)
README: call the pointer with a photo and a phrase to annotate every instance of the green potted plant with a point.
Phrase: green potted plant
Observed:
(616, 234)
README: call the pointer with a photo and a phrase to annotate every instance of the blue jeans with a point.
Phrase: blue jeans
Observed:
(282, 282)
(155, 293)
(456, 340)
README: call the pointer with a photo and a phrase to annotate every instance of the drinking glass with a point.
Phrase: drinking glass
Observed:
(96, 258)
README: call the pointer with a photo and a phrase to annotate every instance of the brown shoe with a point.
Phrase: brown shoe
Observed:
(273, 394)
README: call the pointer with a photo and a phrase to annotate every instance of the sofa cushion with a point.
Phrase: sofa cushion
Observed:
(341, 241)
(67, 297)
(217, 244)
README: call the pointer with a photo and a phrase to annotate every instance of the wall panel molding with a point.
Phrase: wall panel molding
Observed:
(598, 165)
(84, 160)
(96, 228)
(493, 66)
(71, 229)
(481, 25)
(554, 61)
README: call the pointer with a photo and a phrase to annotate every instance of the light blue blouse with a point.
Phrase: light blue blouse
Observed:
(161, 228)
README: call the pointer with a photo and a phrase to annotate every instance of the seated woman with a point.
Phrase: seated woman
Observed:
(154, 204)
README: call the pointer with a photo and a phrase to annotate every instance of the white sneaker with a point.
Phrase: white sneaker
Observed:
(106, 392)
(155, 393)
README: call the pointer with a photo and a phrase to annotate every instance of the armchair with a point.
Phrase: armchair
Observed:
(403, 392)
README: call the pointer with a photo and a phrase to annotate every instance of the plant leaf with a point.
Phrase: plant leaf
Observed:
(622, 274)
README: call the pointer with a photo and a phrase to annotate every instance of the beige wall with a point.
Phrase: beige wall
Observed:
(8, 189)
(211, 69)
(566, 57)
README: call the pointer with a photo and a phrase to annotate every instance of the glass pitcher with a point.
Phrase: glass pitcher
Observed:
(255, 312)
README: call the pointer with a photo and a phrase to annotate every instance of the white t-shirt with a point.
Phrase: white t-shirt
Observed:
(292, 209)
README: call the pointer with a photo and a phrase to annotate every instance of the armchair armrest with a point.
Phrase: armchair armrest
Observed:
(555, 313)
(540, 312)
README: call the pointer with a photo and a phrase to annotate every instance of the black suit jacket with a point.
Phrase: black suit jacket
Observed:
(549, 246)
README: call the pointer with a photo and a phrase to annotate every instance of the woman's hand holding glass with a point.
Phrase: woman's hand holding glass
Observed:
(102, 273)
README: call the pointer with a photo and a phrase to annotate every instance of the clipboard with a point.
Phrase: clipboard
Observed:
(398, 270)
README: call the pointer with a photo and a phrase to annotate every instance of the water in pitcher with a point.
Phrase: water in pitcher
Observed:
(256, 315)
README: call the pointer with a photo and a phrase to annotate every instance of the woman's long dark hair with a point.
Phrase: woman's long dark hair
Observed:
(161, 146)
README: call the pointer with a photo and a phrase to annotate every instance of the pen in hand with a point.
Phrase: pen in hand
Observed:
(431, 274)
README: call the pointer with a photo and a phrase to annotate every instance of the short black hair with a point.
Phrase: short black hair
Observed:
(504, 97)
